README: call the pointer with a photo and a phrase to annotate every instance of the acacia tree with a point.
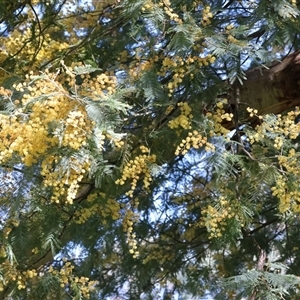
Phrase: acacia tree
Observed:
(149, 148)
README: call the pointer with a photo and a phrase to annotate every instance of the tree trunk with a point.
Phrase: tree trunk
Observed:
(273, 90)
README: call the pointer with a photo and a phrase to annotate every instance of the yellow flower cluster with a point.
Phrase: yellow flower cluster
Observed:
(35, 250)
(99, 87)
(128, 222)
(134, 170)
(119, 143)
(217, 117)
(65, 184)
(106, 209)
(200, 61)
(229, 27)
(2, 251)
(221, 113)
(206, 16)
(290, 162)
(137, 67)
(288, 194)
(60, 108)
(137, 168)
(280, 191)
(290, 128)
(232, 39)
(84, 214)
(148, 6)
(278, 142)
(75, 130)
(253, 112)
(168, 62)
(89, 15)
(30, 273)
(177, 79)
(36, 124)
(29, 147)
(215, 218)
(231, 36)
(22, 280)
(116, 141)
(158, 253)
(181, 67)
(66, 278)
(257, 136)
(176, 64)
(50, 117)
(12, 44)
(294, 202)
(284, 127)
(169, 11)
(183, 120)
(11, 274)
(193, 140)
(21, 284)
(5, 92)
(110, 209)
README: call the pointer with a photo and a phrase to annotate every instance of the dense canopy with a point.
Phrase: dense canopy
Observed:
(149, 148)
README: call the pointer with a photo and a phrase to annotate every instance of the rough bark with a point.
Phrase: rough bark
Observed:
(273, 90)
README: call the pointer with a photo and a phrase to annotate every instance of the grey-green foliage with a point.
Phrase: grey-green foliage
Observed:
(271, 283)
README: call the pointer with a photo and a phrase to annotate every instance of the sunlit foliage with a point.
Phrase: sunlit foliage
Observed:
(132, 162)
